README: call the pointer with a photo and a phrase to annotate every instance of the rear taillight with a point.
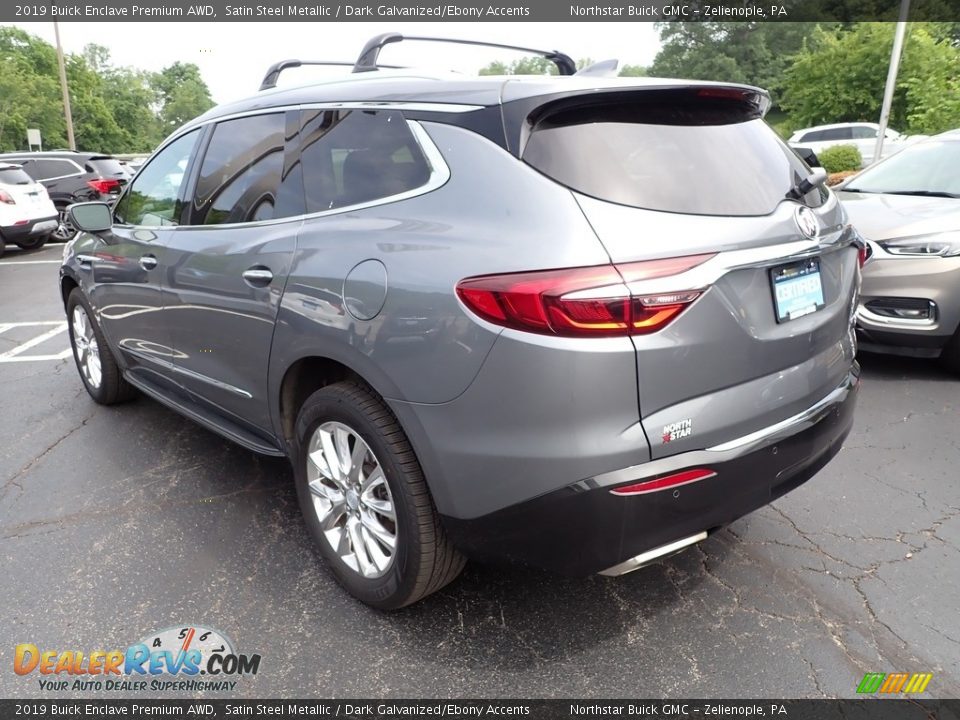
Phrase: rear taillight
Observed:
(864, 251)
(6, 198)
(578, 302)
(105, 187)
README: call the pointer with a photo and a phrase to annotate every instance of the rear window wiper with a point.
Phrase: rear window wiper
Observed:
(815, 179)
(924, 193)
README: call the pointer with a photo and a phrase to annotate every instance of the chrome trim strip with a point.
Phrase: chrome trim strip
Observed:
(864, 313)
(439, 175)
(800, 421)
(729, 450)
(189, 373)
(645, 558)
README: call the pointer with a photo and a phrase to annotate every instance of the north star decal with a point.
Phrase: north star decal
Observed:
(677, 430)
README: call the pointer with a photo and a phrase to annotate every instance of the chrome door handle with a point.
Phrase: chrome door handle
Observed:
(85, 260)
(258, 276)
(148, 262)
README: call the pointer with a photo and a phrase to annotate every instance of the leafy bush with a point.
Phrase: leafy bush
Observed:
(839, 158)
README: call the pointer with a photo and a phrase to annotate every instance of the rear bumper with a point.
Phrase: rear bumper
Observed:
(584, 528)
(37, 226)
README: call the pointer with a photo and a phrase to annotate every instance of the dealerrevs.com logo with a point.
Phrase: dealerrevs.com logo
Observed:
(190, 658)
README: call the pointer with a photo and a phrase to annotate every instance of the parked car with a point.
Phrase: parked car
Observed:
(27, 217)
(638, 304)
(862, 135)
(71, 177)
(908, 208)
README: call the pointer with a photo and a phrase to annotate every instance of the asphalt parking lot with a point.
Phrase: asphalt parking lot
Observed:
(115, 522)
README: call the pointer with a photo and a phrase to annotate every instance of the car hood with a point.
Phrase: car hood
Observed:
(878, 216)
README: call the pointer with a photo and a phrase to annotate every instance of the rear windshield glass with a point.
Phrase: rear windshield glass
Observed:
(14, 176)
(701, 156)
(107, 167)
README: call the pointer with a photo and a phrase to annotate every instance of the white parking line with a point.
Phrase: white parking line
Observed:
(30, 262)
(15, 354)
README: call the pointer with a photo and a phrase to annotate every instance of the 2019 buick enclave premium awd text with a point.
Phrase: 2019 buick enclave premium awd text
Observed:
(572, 322)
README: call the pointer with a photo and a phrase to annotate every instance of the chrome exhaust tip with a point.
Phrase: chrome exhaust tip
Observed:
(650, 556)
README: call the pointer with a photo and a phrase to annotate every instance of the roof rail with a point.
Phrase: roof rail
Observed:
(273, 74)
(371, 51)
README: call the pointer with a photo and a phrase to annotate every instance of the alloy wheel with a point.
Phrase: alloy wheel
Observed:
(86, 347)
(352, 499)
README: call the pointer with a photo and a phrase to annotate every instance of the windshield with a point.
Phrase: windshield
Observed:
(927, 168)
(676, 157)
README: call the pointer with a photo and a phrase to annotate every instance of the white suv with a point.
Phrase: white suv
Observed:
(861, 135)
(27, 215)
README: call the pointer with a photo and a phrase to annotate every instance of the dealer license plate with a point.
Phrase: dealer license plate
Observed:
(797, 289)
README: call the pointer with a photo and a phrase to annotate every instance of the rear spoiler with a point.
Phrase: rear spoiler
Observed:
(522, 115)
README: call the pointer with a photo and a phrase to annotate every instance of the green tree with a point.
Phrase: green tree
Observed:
(839, 76)
(29, 91)
(523, 66)
(115, 109)
(542, 66)
(182, 94)
(757, 53)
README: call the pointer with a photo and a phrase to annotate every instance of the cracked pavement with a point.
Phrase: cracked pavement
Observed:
(115, 522)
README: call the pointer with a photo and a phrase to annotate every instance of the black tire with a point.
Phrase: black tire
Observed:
(34, 243)
(112, 388)
(3, 246)
(424, 560)
(950, 355)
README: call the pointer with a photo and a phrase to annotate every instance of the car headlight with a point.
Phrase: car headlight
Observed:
(945, 244)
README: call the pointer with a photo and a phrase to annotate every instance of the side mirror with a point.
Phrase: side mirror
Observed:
(91, 217)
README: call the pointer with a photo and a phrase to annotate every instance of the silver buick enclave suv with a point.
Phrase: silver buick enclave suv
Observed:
(576, 322)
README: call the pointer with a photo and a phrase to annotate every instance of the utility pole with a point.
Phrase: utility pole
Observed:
(68, 116)
(892, 76)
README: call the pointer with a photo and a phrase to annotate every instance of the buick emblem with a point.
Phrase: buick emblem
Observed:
(807, 221)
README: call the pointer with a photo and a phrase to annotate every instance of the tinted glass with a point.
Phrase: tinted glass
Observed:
(358, 156)
(927, 167)
(14, 176)
(156, 198)
(864, 133)
(106, 167)
(843, 133)
(45, 169)
(647, 156)
(242, 174)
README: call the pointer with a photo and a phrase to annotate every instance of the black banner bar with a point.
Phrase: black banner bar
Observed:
(868, 709)
(494, 10)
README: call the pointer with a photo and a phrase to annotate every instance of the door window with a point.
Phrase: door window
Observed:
(242, 176)
(864, 132)
(843, 133)
(46, 169)
(358, 156)
(156, 198)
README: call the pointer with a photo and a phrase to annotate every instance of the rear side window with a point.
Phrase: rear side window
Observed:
(242, 175)
(14, 176)
(358, 156)
(862, 132)
(47, 169)
(106, 167)
(674, 152)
